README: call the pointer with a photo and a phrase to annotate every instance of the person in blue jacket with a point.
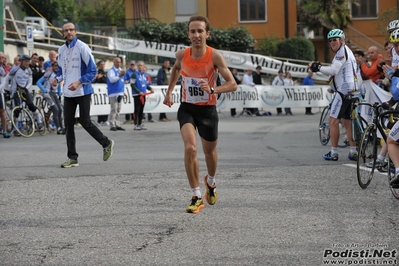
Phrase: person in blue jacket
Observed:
(139, 84)
(116, 90)
(76, 68)
(51, 95)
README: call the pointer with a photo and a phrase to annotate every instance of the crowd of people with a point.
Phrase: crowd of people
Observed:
(197, 66)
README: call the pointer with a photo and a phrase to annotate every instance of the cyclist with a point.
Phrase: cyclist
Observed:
(342, 79)
(393, 74)
(3, 74)
(51, 93)
(21, 81)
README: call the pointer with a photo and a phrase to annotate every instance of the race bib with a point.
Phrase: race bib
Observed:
(194, 93)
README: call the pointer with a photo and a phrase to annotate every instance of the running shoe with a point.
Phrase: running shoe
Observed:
(6, 135)
(195, 206)
(330, 157)
(352, 156)
(211, 196)
(395, 181)
(107, 152)
(70, 163)
(377, 164)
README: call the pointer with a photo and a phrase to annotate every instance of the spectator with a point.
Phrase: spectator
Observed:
(279, 81)
(51, 94)
(308, 81)
(41, 64)
(139, 84)
(34, 66)
(288, 82)
(163, 78)
(238, 81)
(149, 82)
(101, 77)
(3, 116)
(116, 89)
(52, 55)
(129, 118)
(374, 71)
(248, 79)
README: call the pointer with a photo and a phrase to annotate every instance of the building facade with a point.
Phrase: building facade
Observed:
(264, 18)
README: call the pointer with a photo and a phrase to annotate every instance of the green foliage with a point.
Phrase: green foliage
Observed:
(234, 39)
(50, 9)
(268, 45)
(385, 17)
(296, 48)
(326, 14)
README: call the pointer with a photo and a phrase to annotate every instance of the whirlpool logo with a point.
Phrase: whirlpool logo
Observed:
(273, 96)
(152, 100)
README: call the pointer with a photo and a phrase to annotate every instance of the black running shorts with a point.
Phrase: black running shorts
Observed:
(204, 118)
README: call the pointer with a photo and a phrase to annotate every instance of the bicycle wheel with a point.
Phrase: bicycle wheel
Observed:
(367, 155)
(22, 121)
(44, 130)
(324, 126)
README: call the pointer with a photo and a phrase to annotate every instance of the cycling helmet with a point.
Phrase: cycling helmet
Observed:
(394, 36)
(335, 33)
(393, 25)
(24, 57)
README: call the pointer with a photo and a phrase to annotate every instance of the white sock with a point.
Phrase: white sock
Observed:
(380, 158)
(334, 150)
(38, 116)
(353, 149)
(211, 180)
(396, 171)
(197, 192)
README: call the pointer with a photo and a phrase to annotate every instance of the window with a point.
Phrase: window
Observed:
(365, 9)
(252, 10)
(186, 7)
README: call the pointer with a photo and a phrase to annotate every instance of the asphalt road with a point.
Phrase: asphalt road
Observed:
(279, 202)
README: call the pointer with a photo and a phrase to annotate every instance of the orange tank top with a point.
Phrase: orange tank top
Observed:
(192, 71)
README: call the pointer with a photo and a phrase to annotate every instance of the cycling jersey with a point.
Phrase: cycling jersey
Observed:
(44, 83)
(3, 75)
(21, 77)
(192, 72)
(342, 71)
(395, 58)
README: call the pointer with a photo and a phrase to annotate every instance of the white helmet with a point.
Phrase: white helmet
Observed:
(393, 25)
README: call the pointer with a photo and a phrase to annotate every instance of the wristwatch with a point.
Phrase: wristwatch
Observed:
(212, 90)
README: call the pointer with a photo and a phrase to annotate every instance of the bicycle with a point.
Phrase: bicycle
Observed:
(368, 148)
(358, 123)
(324, 129)
(22, 118)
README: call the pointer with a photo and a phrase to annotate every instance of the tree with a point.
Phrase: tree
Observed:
(326, 14)
(268, 45)
(385, 17)
(296, 48)
(51, 10)
(235, 39)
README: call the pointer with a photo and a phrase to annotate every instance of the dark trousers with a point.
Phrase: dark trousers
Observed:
(162, 115)
(70, 105)
(102, 118)
(308, 110)
(279, 110)
(138, 109)
(129, 117)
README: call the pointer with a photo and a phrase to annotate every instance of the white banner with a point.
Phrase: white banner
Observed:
(245, 96)
(237, 60)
